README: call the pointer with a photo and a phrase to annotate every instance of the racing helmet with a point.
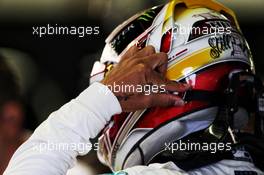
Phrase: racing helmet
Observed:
(205, 48)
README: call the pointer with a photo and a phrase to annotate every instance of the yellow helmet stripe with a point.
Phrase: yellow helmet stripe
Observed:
(168, 17)
(212, 4)
(191, 63)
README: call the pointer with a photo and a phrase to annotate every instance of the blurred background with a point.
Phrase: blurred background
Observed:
(53, 69)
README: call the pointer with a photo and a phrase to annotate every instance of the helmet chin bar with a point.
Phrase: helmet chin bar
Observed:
(221, 130)
(224, 121)
(228, 104)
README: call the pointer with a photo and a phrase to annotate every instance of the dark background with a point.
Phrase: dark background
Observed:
(54, 69)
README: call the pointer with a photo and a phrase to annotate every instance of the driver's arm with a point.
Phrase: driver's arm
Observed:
(55, 144)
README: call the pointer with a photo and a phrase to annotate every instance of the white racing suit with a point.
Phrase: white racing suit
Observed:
(224, 167)
(55, 144)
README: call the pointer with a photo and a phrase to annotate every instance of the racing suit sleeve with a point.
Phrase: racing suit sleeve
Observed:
(54, 145)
